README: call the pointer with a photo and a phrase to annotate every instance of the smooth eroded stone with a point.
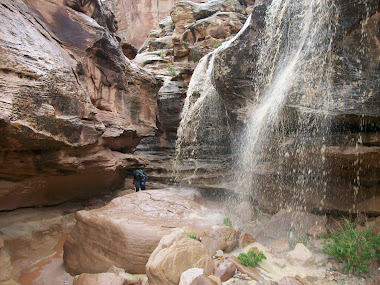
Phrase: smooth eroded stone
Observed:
(99, 279)
(125, 232)
(175, 254)
(300, 256)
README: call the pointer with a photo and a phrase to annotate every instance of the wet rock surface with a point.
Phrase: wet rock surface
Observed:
(330, 148)
(135, 224)
(172, 52)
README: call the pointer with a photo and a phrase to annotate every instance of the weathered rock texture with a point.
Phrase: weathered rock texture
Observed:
(172, 52)
(137, 18)
(72, 105)
(175, 254)
(126, 231)
(328, 161)
(99, 279)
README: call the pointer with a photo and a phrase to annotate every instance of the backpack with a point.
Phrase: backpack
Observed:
(141, 175)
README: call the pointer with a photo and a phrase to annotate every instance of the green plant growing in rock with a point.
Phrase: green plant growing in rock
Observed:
(251, 258)
(171, 69)
(227, 222)
(354, 248)
(217, 44)
(191, 235)
(162, 53)
(195, 55)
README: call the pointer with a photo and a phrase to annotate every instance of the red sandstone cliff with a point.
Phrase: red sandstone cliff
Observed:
(138, 17)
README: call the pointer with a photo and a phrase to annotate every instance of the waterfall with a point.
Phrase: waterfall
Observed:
(294, 61)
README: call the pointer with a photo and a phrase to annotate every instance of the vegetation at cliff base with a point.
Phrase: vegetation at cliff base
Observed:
(191, 235)
(251, 258)
(355, 248)
(227, 222)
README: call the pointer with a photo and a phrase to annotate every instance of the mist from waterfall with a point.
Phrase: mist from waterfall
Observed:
(294, 60)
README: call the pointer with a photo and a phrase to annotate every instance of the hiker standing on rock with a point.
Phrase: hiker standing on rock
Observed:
(139, 179)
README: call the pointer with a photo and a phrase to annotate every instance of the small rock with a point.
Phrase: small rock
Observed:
(175, 254)
(300, 256)
(220, 238)
(225, 270)
(5, 265)
(203, 280)
(289, 281)
(311, 279)
(121, 273)
(1, 242)
(317, 231)
(254, 249)
(99, 279)
(189, 275)
(267, 282)
(280, 245)
(281, 263)
(302, 280)
(245, 239)
(216, 279)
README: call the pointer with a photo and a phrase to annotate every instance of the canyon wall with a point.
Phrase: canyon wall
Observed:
(323, 151)
(73, 107)
(138, 17)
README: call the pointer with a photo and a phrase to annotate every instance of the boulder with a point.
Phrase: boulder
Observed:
(245, 239)
(280, 245)
(99, 279)
(286, 221)
(175, 254)
(250, 271)
(300, 256)
(225, 270)
(188, 276)
(34, 239)
(125, 232)
(317, 231)
(204, 280)
(220, 238)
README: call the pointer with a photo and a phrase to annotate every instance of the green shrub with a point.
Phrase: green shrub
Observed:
(195, 54)
(218, 44)
(191, 235)
(251, 258)
(162, 53)
(355, 248)
(227, 222)
(171, 69)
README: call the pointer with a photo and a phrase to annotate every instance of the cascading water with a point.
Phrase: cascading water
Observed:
(294, 60)
(309, 72)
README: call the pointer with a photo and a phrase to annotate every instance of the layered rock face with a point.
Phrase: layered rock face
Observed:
(73, 107)
(172, 52)
(137, 18)
(322, 151)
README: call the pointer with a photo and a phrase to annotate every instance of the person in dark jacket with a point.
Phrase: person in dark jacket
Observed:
(139, 179)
